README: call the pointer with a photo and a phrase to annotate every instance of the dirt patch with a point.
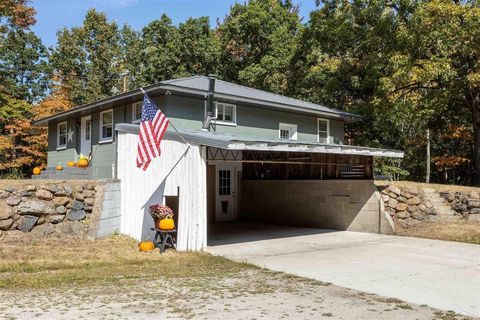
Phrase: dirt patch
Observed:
(109, 279)
(451, 231)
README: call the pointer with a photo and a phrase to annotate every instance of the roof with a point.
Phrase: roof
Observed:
(198, 86)
(236, 142)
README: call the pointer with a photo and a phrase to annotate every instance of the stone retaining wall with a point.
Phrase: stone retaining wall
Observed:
(409, 206)
(44, 208)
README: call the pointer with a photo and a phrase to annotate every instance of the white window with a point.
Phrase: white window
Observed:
(137, 111)
(225, 113)
(62, 135)
(106, 126)
(287, 131)
(88, 129)
(323, 131)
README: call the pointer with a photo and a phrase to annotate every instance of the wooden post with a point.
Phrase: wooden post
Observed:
(427, 178)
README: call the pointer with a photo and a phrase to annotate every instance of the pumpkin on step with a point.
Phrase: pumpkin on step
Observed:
(59, 168)
(36, 171)
(82, 163)
(145, 246)
(167, 223)
(70, 164)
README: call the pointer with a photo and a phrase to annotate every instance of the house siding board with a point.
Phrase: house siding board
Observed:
(188, 114)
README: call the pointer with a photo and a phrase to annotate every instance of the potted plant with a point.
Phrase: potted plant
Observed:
(160, 212)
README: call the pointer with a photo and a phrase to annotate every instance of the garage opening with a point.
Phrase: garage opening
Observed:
(254, 195)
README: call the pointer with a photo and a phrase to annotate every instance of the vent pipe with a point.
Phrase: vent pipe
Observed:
(207, 123)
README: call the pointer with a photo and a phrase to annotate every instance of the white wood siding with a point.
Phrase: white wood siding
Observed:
(173, 173)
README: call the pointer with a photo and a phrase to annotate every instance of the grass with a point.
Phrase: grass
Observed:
(451, 231)
(48, 263)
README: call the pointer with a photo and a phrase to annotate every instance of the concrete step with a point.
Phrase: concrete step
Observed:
(68, 173)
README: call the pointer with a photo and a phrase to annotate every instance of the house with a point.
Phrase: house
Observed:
(239, 154)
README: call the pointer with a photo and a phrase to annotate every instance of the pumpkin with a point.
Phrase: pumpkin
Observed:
(82, 163)
(59, 168)
(70, 164)
(36, 171)
(145, 246)
(167, 223)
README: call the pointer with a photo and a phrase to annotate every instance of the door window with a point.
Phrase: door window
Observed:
(88, 124)
(224, 182)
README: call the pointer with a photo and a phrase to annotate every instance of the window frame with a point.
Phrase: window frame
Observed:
(327, 132)
(135, 105)
(62, 146)
(292, 128)
(233, 122)
(103, 139)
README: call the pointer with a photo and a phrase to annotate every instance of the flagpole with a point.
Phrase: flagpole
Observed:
(173, 126)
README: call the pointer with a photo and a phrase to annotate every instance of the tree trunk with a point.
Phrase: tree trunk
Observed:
(427, 178)
(476, 144)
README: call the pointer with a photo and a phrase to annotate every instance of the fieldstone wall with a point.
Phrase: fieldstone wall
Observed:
(43, 208)
(409, 206)
(465, 204)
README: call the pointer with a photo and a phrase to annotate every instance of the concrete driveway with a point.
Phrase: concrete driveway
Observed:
(441, 274)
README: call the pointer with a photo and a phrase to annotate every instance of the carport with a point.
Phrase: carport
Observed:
(273, 181)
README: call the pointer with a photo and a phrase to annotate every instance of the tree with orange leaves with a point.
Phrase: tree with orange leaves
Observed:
(23, 145)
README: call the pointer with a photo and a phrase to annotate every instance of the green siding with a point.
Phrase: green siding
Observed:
(185, 113)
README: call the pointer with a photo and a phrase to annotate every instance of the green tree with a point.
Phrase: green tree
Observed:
(87, 60)
(24, 68)
(258, 40)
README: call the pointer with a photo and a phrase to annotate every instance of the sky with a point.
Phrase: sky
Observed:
(53, 15)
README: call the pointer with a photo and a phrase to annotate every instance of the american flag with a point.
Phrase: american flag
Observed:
(152, 128)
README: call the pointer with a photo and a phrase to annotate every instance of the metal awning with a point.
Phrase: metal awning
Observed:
(236, 142)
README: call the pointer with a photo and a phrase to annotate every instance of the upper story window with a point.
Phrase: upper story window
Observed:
(323, 131)
(287, 131)
(225, 113)
(106, 125)
(62, 135)
(137, 111)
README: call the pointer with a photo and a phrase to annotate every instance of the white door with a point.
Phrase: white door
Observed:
(225, 198)
(86, 135)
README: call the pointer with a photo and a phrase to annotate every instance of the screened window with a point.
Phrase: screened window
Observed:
(323, 131)
(226, 113)
(287, 131)
(106, 125)
(137, 111)
(62, 135)
(224, 182)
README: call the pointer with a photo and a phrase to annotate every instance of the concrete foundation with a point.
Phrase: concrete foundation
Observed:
(333, 204)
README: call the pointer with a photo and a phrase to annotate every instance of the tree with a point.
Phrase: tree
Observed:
(86, 59)
(24, 69)
(199, 47)
(23, 145)
(15, 13)
(258, 41)
(441, 64)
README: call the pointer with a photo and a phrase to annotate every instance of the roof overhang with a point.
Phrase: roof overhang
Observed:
(162, 88)
(235, 142)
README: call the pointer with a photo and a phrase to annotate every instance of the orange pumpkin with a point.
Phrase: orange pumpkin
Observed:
(59, 168)
(36, 171)
(70, 164)
(82, 163)
(167, 223)
(145, 246)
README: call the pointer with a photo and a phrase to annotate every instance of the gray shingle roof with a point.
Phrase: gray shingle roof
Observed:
(236, 90)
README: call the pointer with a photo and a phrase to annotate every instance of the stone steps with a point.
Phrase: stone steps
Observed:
(444, 211)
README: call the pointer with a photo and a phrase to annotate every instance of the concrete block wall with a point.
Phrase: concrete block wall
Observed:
(109, 221)
(333, 204)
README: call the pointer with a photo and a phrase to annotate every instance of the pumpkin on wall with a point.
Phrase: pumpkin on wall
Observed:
(36, 171)
(59, 168)
(70, 164)
(82, 163)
